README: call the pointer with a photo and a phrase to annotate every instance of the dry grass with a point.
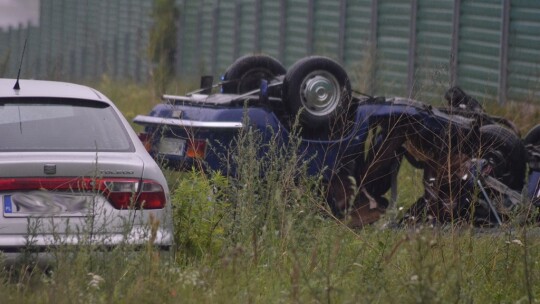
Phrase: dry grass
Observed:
(268, 240)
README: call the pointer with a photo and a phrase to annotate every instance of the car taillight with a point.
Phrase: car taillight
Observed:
(151, 195)
(122, 193)
(146, 140)
(129, 194)
(196, 148)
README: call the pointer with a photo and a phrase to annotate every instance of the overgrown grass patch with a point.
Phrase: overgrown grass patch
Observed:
(332, 265)
(269, 238)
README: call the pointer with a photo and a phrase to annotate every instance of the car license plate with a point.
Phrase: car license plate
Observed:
(42, 203)
(171, 146)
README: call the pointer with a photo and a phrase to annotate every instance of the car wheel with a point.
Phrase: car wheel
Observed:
(506, 153)
(318, 90)
(246, 73)
(532, 143)
(533, 136)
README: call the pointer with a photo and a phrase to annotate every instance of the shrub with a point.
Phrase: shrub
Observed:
(199, 210)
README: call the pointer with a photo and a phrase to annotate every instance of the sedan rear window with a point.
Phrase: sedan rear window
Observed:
(46, 124)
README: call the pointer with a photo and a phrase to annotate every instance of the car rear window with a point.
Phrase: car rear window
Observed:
(48, 124)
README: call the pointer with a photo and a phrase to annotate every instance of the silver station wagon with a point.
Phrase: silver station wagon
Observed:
(73, 172)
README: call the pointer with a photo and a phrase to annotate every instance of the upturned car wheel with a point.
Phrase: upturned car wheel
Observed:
(506, 153)
(533, 136)
(318, 90)
(532, 143)
(245, 74)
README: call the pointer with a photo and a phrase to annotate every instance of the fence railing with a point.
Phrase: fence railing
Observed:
(414, 48)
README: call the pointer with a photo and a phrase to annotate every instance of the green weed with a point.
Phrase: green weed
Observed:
(269, 238)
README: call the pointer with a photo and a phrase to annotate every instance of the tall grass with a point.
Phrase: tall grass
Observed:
(267, 238)
(134, 99)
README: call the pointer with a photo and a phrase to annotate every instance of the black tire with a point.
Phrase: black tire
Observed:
(319, 89)
(506, 152)
(532, 146)
(246, 73)
(533, 136)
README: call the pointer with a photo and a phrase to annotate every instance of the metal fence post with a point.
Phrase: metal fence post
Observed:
(373, 43)
(282, 28)
(310, 27)
(116, 44)
(257, 27)
(455, 43)
(19, 41)
(198, 36)
(138, 67)
(374, 23)
(114, 57)
(84, 55)
(126, 70)
(342, 28)
(13, 52)
(236, 30)
(503, 63)
(97, 59)
(214, 51)
(412, 49)
(181, 24)
(104, 55)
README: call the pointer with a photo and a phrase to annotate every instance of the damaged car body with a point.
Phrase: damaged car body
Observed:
(474, 164)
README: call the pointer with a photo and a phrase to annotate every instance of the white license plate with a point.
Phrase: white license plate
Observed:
(41, 203)
(171, 146)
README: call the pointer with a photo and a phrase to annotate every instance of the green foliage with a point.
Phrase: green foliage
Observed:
(267, 238)
(199, 209)
(272, 194)
(132, 99)
(214, 214)
(162, 43)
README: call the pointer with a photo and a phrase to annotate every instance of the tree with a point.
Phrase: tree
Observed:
(162, 44)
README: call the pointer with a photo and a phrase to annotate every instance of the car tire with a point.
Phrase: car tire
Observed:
(531, 142)
(533, 136)
(506, 153)
(319, 91)
(245, 74)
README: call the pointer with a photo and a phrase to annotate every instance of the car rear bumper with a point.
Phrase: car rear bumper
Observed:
(42, 250)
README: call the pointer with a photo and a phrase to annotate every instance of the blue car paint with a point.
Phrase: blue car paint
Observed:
(323, 155)
(534, 186)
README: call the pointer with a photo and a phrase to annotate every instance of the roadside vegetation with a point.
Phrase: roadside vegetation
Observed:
(272, 240)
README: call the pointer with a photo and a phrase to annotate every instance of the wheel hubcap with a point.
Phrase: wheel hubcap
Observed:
(321, 93)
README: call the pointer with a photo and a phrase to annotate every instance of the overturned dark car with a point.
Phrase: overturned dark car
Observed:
(476, 167)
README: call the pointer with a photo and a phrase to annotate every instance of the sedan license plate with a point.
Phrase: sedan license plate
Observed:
(171, 146)
(41, 203)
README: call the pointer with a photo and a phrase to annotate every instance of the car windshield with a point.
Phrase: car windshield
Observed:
(49, 124)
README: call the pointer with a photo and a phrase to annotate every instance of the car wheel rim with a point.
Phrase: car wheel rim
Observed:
(497, 159)
(320, 93)
(251, 80)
